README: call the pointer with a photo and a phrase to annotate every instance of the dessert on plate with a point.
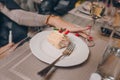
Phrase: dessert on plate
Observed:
(58, 39)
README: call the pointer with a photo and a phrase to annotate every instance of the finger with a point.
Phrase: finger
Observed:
(79, 29)
(5, 48)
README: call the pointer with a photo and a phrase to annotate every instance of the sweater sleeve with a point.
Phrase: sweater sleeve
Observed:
(25, 17)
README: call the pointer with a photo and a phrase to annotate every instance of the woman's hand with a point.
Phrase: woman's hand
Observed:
(5, 48)
(1, 6)
(60, 23)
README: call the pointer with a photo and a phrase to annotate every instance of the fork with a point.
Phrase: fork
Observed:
(66, 52)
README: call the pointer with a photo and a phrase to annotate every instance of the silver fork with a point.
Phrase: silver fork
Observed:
(66, 52)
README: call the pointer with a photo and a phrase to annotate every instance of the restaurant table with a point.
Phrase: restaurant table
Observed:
(21, 64)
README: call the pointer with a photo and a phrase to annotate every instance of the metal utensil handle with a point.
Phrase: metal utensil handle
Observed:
(47, 69)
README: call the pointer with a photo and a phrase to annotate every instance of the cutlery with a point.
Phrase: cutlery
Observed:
(12, 47)
(30, 35)
(23, 41)
(66, 52)
(19, 44)
(83, 12)
(49, 74)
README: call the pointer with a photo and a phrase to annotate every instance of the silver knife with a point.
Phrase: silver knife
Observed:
(14, 47)
(23, 41)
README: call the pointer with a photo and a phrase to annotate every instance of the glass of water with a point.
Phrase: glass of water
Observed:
(109, 67)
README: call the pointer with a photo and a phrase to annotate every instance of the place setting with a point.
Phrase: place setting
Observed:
(61, 49)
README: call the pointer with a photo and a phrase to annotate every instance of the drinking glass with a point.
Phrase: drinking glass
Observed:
(109, 66)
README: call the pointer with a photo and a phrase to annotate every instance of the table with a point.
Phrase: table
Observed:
(23, 65)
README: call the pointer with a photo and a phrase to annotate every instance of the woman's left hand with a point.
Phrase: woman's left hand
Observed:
(6, 48)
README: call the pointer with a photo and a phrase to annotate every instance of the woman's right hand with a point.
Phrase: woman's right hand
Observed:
(59, 23)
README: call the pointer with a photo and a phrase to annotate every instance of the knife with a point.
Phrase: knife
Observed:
(19, 44)
(23, 41)
(84, 12)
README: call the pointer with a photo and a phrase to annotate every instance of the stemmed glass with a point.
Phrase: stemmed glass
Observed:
(96, 11)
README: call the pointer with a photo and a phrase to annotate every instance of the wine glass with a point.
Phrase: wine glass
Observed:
(97, 11)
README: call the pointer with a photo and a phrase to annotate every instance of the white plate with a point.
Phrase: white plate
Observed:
(44, 51)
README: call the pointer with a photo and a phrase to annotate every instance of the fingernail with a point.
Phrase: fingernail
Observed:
(89, 27)
(66, 32)
(76, 34)
(90, 38)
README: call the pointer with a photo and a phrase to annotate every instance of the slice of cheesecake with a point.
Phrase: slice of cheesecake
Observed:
(58, 40)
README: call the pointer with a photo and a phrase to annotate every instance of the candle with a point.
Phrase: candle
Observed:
(10, 36)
